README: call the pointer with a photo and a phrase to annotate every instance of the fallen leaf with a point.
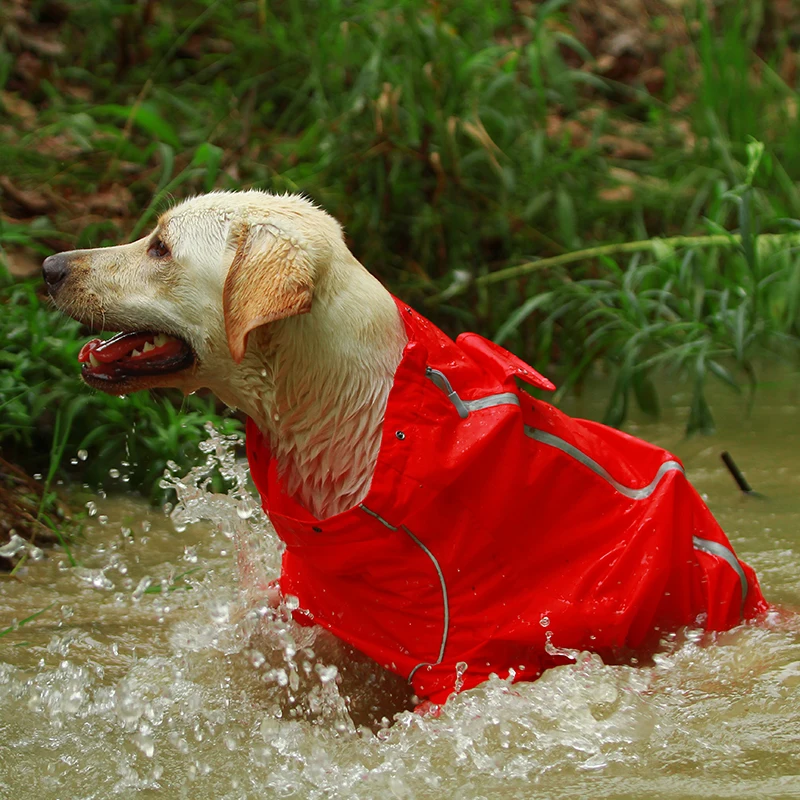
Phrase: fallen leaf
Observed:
(40, 44)
(28, 200)
(556, 127)
(114, 200)
(80, 92)
(28, 67)
(605, 63)
(617, 194)
(18, 107)
(625, 42)
(620, 147)
(681, 102)
(17, 12)
(654, 79)
(58, 147)
(683, 128)
(593, 112)
(21, 264)
(624, 175)
(648, 183)
(479, 134)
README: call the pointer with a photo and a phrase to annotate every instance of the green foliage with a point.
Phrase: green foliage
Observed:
(17, 625)
(454, 140)
(47, 414)
(682, 309)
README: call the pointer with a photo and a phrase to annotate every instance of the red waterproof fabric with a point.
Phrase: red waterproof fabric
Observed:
(494, 538)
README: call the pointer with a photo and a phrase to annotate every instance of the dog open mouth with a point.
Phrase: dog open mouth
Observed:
(116, 364)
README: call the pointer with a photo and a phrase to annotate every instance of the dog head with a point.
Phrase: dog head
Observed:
(187, 296)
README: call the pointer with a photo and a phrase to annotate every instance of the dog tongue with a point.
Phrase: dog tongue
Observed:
(122, 346)
(115, 348)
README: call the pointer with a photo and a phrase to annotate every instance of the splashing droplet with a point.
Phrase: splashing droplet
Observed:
(14, 546)
(291, 602)
(461, 668)
(326, 673)
(141, 587)
(257, 658)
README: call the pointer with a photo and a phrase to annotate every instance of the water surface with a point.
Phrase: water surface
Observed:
(133, 685)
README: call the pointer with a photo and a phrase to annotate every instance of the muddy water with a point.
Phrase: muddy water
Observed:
(155, 672)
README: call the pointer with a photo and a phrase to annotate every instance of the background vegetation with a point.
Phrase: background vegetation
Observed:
(586, 182)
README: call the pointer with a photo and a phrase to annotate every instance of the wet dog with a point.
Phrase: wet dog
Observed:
(436, 516)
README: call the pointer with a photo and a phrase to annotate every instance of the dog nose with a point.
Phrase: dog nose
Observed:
(54, 270)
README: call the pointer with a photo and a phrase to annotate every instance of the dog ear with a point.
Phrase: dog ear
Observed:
(269, 279)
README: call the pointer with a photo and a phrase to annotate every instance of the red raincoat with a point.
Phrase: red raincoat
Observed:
(497, 530)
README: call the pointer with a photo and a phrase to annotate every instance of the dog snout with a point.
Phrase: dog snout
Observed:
(54, 270)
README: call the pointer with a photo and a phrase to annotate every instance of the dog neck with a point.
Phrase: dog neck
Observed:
(317, 387)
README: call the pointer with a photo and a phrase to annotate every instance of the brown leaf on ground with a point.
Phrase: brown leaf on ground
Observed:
(22, 264)
(18, 12)
(630, 38)
(605, 63)
(592, 112)
(683, 128)
(617, 194)
(654, 79)
(80, 92)
(44, 45)
(116, 200)
(789, 66)
(681, 102)
(29, 68)
(624, 175)
(199, 45)
(28, 201)
(620, 147)
(556, 127)
(17, 107)
(627, 128)
(649, 183)
(58, 147)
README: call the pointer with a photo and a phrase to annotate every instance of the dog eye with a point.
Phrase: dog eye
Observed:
(158, 249)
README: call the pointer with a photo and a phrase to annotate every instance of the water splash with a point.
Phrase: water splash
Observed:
(235, 513)
(15, 545)
(181, 680)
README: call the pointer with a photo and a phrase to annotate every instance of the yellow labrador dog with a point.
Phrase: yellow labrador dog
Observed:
(216, 296)
(435, 516)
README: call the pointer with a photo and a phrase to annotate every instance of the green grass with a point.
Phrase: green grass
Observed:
(695, 306)
(49, 416)
(16, 626)
(482, 163)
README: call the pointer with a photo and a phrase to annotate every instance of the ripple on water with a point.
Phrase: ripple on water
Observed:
(159, 671)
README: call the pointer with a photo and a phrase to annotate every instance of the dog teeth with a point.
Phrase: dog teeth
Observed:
(93, 361)
(148, 346)
(136, 353)
(161, 339)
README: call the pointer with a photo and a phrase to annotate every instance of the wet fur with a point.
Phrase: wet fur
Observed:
(285, 323)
